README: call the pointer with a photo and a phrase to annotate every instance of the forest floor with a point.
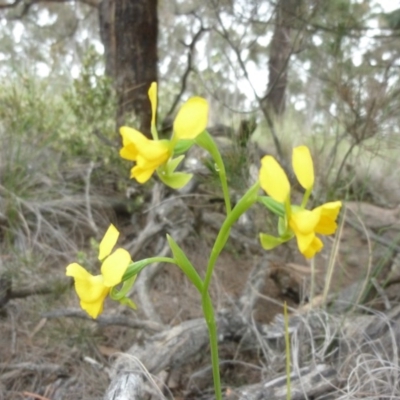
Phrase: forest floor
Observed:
(49, 352)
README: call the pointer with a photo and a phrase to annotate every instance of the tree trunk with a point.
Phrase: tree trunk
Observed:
(128, 30)
(280, 52)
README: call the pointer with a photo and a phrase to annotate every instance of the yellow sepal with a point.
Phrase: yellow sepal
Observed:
(191, 119)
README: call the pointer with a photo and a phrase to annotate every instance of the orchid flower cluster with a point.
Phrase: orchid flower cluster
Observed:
(156, 155)
(296, 220)
(118, 271)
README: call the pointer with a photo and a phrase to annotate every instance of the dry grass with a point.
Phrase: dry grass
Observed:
(71, 345)
(52, 211)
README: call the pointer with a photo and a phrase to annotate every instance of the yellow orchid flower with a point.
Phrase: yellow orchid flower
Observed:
(327, 220)
(148, 154)
(92, 290)
(151, 154)
(302, 223)
(305, 224)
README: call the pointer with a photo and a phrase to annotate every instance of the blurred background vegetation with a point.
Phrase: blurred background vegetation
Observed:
(321, 73)
(277, 72)
(281, 72)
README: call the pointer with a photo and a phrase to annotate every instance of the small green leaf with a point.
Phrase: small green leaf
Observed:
(269, 242)
(125, 301)
(134, 268)
(184, 264)
(282, 226)
(274, 206)
(121, 295)
(176, 180)
(172, 164)
(206, 141)
(182, 146)
(126, 287)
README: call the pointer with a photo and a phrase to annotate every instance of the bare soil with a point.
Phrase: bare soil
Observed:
(69, 358)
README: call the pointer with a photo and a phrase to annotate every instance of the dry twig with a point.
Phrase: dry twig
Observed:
(104, 320)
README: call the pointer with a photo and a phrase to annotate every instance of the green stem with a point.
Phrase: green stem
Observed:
(185, 265)
(224, 183)
(183, 262)
(305, 198)
(154, 132)
(135, 267)
(209, 315)
(206, 141)
(249, 198)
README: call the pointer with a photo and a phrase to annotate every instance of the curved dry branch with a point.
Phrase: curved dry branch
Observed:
(189, 67)
(7, 293)
(172, 348)
(105, 320)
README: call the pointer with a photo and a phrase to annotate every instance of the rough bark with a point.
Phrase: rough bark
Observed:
(280, 52)
(129, 30)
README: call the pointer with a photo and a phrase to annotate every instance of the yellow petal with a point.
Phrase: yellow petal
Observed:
(153, 100)
(94, 309)
(132, 141)
(304, 241)
(153, 154)
(130, 135)
(108, 242)
(129, 152)
(303, 166)
(273, 179)
(315, 246)
(191, 119)
(149, 154)
(140, 174)
(329, 212)
(89, 288)
(155, 150)
(114, 267)
(304, 221)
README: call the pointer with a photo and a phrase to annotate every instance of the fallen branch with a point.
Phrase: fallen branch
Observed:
(105, 320)
(172, 348)
(15, 370)
(7, 293)
(372, 337)
(309, 382)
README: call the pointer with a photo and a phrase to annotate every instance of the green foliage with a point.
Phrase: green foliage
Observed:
(393, 19)
(45, 153)
(93, 104)
(32, 119)
(30, 123)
